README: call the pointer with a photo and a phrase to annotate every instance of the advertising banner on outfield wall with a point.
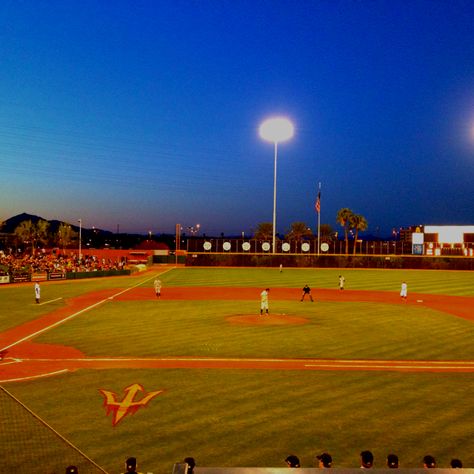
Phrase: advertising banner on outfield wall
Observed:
(43, 276)
(20, 278)
(4, 279)
(57, 276)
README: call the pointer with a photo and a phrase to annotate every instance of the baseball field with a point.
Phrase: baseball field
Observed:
(118, 372)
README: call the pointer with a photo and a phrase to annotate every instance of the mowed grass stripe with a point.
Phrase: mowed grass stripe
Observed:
(17, 303)
(256, 418)
(421, 281)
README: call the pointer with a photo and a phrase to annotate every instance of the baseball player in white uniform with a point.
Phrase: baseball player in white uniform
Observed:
(37, 292)
(157, 286)
(404, 291)
(264, 301)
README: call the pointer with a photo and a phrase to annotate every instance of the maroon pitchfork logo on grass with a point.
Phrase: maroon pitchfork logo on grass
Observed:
(128, 405)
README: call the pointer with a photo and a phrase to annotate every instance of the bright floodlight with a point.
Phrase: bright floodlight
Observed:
(277, 129)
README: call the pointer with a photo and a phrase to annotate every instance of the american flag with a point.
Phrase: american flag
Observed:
(317, 205)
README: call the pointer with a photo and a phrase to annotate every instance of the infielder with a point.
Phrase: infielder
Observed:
(306, 291)
(404, 291)
(264, 301)
(157, 286)
(341, 282)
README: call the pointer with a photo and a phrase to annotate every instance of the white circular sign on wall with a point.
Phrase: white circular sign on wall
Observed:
(324, 246)
(265, 246)
(305, 247)
(207, 245)
(226, 246)
(246, 246)
(285, 247)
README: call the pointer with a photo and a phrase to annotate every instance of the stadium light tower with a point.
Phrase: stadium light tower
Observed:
(276, 130)
(80, 239)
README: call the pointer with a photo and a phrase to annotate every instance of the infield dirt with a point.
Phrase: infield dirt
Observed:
(24, 359)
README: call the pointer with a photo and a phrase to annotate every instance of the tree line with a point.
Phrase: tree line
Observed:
(37, 234)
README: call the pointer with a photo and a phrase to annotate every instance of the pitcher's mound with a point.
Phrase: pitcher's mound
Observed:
(265, 320)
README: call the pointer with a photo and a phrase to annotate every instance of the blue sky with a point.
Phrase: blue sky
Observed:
(145, 114)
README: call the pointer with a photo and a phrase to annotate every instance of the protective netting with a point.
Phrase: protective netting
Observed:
(29, 445)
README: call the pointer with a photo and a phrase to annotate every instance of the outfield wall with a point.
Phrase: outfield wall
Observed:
(329, 261)
(95, 274)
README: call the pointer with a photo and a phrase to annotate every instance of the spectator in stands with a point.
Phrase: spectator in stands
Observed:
(324, 460)
(392, 461)
(429, 462)
(366, 460)
(71, 470)
(191, 464)
(131, 465)
(456, 464)
(292, 461)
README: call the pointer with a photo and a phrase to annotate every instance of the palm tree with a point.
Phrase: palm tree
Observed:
(326, 231)
(344, 218)
(264, 231)
(358, 223)
(298, 231)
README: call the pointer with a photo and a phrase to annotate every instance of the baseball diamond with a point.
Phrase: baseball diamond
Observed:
(85, 330)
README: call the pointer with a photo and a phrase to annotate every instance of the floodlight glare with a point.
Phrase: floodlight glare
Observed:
(277, 129)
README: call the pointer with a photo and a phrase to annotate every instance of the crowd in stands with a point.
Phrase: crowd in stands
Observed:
(51, 262)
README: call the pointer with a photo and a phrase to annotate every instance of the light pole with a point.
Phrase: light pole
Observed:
(276, 129)
(80, 239)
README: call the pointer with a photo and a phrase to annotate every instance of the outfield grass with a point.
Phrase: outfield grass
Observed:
(256, 418)
(421, 281)
(17, 303)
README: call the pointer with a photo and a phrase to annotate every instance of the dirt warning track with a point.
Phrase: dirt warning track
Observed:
(22, 359)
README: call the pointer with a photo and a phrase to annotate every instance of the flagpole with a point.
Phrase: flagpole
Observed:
(319, 218)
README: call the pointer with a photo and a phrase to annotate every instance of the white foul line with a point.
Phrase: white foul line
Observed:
(337, 364)
(375, 367)
(13, 361)
(31, 377)
(51, 301)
